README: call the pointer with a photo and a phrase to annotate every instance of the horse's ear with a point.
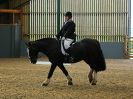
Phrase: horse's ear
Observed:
(28, 44)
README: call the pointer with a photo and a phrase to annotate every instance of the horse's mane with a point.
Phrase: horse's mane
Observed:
(47, 42)
(46, 39)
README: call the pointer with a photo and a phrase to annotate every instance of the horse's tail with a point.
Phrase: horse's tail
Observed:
(101, 66)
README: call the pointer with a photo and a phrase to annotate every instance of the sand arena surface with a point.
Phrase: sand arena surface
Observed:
(21, 80)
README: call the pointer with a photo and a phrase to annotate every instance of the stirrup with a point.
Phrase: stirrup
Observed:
(71, 59)
(68, 59)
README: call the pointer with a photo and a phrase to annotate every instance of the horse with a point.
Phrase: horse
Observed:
(88, 50)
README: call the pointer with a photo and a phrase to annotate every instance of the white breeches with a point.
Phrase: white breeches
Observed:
(67, 43)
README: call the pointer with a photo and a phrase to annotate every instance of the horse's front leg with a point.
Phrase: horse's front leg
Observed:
(69, 79)
(47, 81)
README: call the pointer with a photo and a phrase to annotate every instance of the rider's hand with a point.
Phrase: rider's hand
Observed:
(63, 38)
(55, 37)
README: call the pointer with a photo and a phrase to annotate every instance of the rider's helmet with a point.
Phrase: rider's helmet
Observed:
(69, 14)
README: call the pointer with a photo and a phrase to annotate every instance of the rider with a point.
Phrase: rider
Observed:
(67, 33)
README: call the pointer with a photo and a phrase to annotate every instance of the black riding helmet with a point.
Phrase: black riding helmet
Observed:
(69, 14)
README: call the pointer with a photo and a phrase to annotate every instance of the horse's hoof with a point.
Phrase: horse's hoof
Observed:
(70, 83)
(93, 83)
(44, 84)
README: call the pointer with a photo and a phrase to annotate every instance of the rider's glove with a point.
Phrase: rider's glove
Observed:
(55, 37)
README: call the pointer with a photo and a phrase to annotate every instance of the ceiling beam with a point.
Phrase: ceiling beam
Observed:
(9, 11)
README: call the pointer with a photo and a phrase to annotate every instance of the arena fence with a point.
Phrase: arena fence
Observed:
(105, 20)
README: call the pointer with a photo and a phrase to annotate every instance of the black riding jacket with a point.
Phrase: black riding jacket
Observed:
(67, 30)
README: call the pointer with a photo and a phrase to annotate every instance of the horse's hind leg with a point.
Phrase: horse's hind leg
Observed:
(92, 75)
(94, 81)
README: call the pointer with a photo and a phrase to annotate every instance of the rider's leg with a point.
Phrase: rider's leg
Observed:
(62, 48)
(67, 44)
(71, 58)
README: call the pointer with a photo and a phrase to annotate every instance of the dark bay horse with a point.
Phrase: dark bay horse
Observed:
(88, 50)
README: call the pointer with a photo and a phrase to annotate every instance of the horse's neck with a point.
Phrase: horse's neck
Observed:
(47, 45)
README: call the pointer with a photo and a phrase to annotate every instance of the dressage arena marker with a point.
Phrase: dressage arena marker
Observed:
(47, 63)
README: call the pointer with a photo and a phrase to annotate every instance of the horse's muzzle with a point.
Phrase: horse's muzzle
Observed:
(33, 61)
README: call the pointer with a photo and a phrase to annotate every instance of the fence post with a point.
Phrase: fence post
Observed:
(58, 16)
(129, 18)
(126, 41)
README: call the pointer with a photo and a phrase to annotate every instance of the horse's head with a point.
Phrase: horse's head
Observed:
(32, 52)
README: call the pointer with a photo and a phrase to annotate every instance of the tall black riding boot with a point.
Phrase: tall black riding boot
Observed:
(71, 59)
